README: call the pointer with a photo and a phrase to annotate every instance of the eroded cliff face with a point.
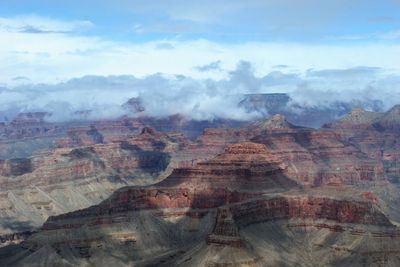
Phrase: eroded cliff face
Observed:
(376, 135)
(67, 179)
(320, 157)
(244, 166)
(313, 157)
(29, 133)
(267, 194)
(210, 214)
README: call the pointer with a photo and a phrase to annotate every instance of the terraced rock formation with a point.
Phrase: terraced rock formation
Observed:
(268, 194)
(377, 135)
(237, 209)
(66, 179)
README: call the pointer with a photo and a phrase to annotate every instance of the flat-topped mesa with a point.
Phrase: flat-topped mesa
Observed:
(243, 166)
(265, 103)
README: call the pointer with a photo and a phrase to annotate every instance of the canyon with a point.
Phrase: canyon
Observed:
(268, 193)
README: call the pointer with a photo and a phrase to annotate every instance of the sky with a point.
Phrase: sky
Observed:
(47, 47)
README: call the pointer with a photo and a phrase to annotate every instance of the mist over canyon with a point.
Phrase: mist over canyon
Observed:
(160, 95)
(223, 133)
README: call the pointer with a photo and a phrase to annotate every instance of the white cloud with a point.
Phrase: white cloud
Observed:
(213, 66)
(318, 73)
(164, 95)
(55, 57)
(37, 24)
(63, 54)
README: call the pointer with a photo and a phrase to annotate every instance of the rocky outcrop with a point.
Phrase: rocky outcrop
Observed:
(65, 179)
(309, 207)
(226, 231)
(211, 209)
(288, 196)
(99, 132)
(243, 166)
(25, 136)
(14, 238)
(277, 122)
(313, 157)
(318, 157)
(376, 135)
(265, 103)
(244, 172)
(308, 116)
(356, 121)
(390, 121)
(15, 167)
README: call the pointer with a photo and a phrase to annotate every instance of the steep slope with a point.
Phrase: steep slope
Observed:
(292, 195)
(275, 123)
(243, 166)
(238, 209)
(377, 136)
(356, 121)
(390, 121)
(313, 156)
(66, 179)
(25, 135)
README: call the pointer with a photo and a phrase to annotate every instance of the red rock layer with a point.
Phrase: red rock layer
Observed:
(318, 157)
(249, 209)
(145, 154)
(242, 174)
(244, 166)
(377, 136)
(313, 157)
(132, 199)
(307, 207)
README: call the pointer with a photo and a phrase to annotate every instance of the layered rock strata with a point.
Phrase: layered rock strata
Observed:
(65, 179)
(208, 215)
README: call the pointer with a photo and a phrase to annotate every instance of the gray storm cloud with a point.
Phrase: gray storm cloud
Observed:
(164, 95)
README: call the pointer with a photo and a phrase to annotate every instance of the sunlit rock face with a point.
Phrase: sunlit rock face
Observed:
(235, 202)
(242, 166)
(234, 197)
(313, 156)
(376, 134)
(66, 179)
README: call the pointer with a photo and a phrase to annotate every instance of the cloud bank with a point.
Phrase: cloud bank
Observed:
(45, 50)
(164, 95)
